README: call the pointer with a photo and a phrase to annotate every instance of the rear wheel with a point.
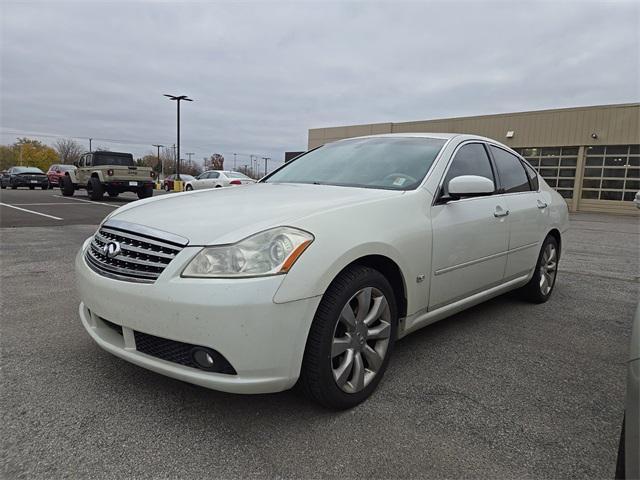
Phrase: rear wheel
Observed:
(166, 187)
(145, 191)
(66, 185)
(351, 339)
(113, 194)
(189, 188)
(31, 187)
(540, 287)
(95, 189)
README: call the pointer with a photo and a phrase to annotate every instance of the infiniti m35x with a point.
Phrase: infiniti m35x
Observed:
(322, 265)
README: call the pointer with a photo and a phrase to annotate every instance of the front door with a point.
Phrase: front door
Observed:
(470, 235)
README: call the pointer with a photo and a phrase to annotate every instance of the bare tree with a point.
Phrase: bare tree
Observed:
(68, 150)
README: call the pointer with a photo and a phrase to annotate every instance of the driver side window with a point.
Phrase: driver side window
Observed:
(470, 159)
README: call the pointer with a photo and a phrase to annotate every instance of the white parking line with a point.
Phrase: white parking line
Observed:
(86, 201)
(30, 211)
(35, 204)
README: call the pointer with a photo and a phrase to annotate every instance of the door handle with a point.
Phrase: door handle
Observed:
(542, 204)
(500, 213)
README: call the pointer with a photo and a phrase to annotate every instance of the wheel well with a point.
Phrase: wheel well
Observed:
(95, 175)
(555, 233)
(392, 272)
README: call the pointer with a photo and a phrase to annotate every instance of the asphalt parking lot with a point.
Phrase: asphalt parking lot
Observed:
(506, 389)
(39, 208)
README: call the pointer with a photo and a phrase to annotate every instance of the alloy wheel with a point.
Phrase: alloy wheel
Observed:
(360, 340)
(548, 268)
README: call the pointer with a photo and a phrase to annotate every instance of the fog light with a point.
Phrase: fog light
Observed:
(203, 358)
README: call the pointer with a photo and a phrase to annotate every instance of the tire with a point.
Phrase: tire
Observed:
(13, 188)
(327, 378)
(67, 187)
(218, 186)
(3, 186)
(45, 187)
(113, 194)
(31, 187)
(95, 190)
(145, 191)
(188, 188)
(166, 188)
(540, 287)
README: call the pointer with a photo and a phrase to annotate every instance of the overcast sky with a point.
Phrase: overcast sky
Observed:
(263, 73)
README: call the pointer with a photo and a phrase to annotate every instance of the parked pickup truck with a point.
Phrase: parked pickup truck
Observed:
(110, 172)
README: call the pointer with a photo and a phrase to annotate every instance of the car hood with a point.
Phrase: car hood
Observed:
(226, 215)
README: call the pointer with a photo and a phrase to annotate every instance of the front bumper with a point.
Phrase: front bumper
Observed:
(263, 341)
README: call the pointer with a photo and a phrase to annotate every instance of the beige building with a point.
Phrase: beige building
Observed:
(591, 155)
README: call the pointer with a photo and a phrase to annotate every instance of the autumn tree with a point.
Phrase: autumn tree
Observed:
(68, 150)
(215, 162)
(28, 153)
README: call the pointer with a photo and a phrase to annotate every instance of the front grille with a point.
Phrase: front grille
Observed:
(117, 328)
(143, 254)
(178, 352)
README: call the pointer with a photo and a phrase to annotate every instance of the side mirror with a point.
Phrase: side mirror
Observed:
(470, 186)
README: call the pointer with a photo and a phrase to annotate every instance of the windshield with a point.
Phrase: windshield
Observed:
(27, 170)
(393, 163)
(106, 159)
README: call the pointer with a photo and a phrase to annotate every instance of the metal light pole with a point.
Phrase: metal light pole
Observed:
(161, 166)
(189, 155)
(234, 160)
(266, 159)
(177, 98)
(90, 144)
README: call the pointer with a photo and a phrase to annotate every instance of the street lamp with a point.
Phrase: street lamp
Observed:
(177, 99)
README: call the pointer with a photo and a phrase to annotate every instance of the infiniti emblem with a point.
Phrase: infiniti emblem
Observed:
(111, 249)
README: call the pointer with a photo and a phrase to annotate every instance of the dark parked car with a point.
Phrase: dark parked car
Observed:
(167, 184)
(56, 173)
(31, 177)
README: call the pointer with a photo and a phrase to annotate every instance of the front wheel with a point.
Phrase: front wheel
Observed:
(351, 339)
(540, 287)
(188, 188)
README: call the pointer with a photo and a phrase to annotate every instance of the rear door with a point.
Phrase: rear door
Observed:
(470, 235)
(528, 212)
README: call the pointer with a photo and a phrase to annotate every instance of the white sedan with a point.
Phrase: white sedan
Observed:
(217, 179)
(322, 265)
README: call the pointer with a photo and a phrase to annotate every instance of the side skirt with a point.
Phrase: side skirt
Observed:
(423, 317)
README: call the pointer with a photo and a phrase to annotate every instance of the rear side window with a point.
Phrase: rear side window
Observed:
(511, 171)
(470, 159)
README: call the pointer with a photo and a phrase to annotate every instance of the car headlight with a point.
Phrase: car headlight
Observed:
(271, 252)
